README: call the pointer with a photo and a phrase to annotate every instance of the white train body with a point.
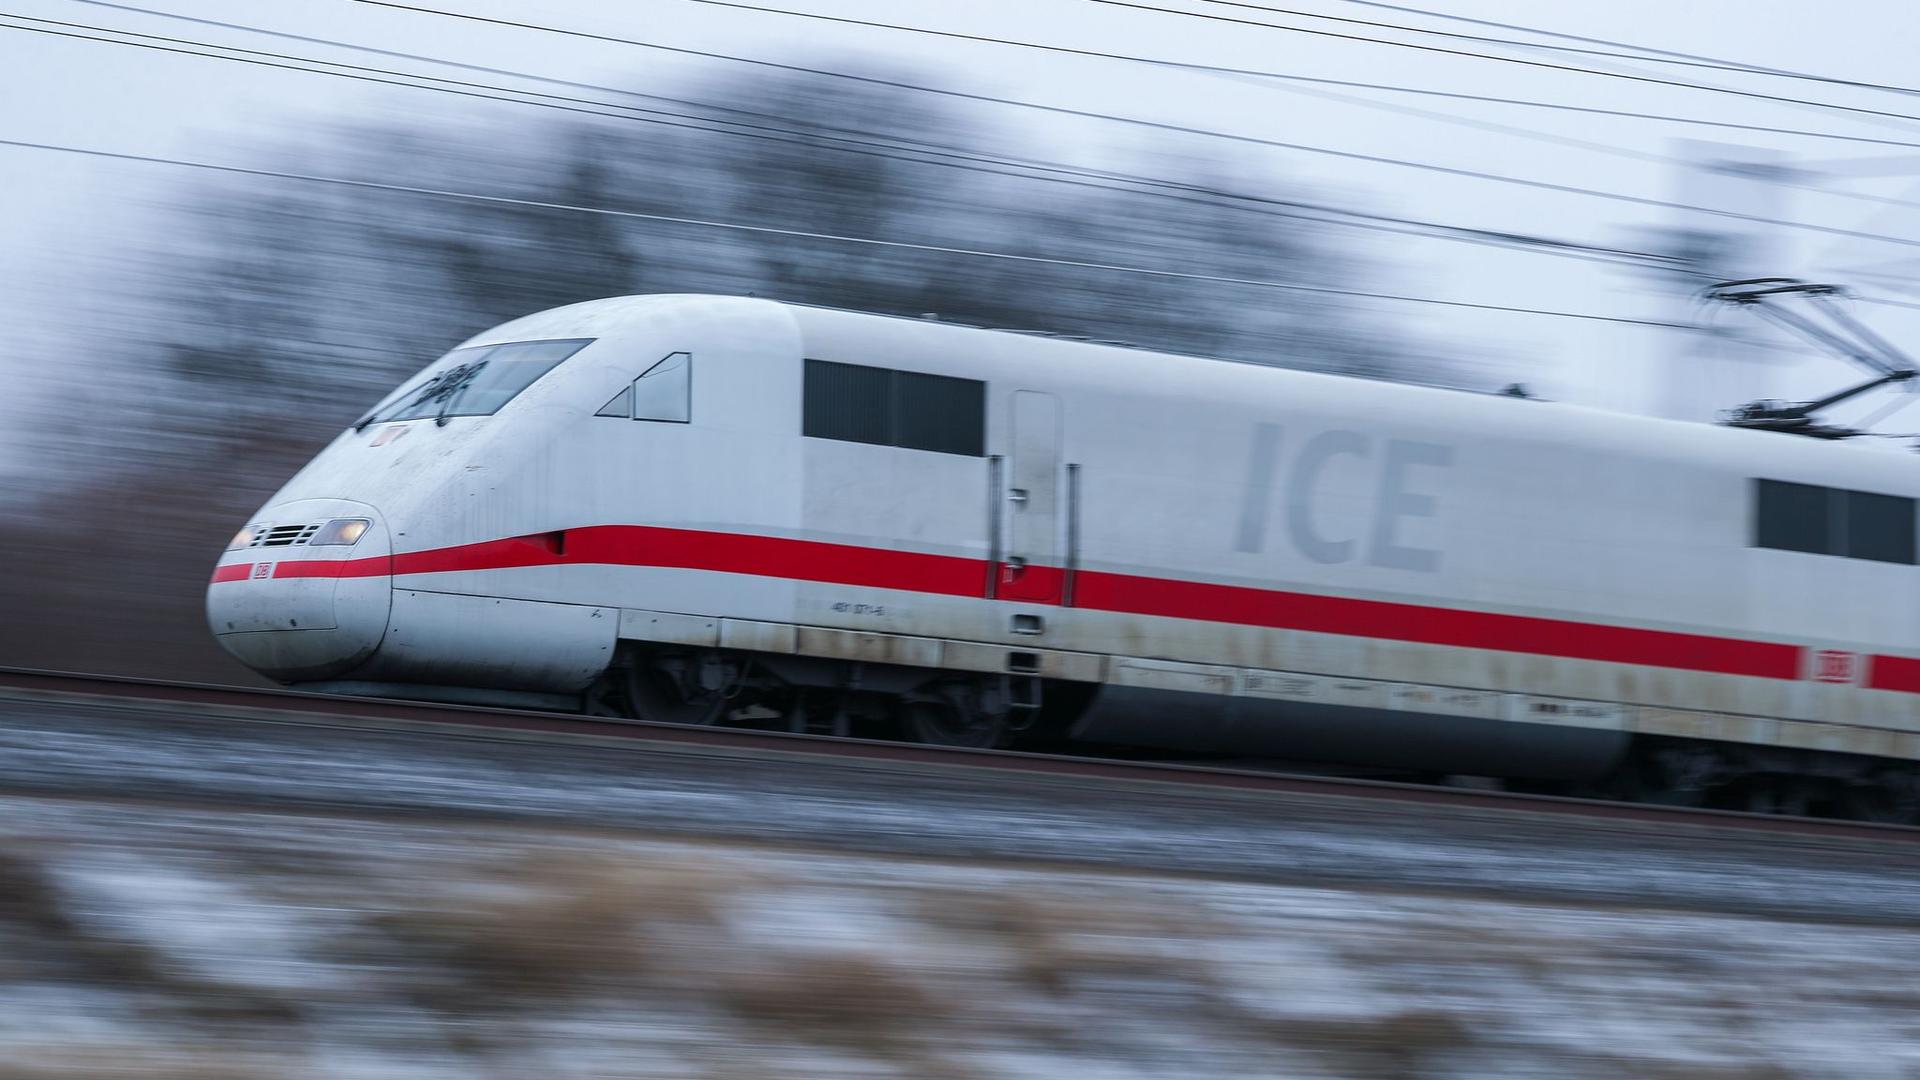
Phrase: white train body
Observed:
(1223, 556)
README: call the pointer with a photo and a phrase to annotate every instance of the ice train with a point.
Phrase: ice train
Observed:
(712, 509)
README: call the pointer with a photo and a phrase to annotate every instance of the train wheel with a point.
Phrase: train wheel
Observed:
(655, 697)
(1647, 779)
(940, 723)
(1891, 800)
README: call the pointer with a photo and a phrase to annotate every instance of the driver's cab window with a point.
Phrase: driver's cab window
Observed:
(663, 393)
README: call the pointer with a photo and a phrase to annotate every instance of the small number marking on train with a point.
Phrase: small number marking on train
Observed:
(846, 608)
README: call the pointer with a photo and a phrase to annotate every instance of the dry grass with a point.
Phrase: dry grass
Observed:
(564, 928)
(131, 1063)
(36, 911)
(1642, 1068)
(1402, 1044)
(855, 1000)
(494, 949)
(1059, 945)
(579, 928)
(48, 942)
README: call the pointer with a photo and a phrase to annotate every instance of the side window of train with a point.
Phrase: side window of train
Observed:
(663, 393)
(1834, 521)
(884, 407)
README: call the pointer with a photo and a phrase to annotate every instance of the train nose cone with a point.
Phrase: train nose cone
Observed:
(307, 597)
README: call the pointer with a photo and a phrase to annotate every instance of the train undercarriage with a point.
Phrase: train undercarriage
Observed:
(808, 695)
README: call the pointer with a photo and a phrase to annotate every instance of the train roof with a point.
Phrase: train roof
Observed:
(850, 334)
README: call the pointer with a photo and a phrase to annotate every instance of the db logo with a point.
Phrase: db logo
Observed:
(1834, 666)
(262, 571)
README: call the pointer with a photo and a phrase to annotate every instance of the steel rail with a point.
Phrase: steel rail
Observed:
(245, 705)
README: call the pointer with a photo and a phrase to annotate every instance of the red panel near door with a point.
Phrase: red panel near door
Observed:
(1034, 584)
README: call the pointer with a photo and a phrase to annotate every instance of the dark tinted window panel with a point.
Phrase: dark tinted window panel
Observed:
(847, 402)
(938, 412)
(1794, 517)
(1879, 527)
(475, 381)
(856, 403)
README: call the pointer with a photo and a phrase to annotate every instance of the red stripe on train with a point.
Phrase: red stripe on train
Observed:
(948, 575)
(1436, 626)
(1893, 673)
(730, 553)
(377, 566)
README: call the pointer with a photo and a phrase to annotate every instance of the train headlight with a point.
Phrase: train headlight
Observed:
(245, 537)
(340, 532)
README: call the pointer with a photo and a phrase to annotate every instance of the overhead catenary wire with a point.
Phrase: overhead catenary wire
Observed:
(801, 138)
(1293, 77)
(1886, 302)
(1647, 53)
(1155, 187)
(1293, 208)
(1271, 206)
(1598, 111)
(516, 96)
(575, 84)
(1178, 191)
(1634, 67)
(1507, 239)
(1787, 178)
(588, 35)
(1133, 4)
(1463, 233)
(1640, 54)
(1347, 83)
(1591, 110)
(1290, 77)
(803, 234)
(1426, 166)
(1540, 64)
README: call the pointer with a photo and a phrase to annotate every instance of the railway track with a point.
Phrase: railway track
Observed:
(280, 707)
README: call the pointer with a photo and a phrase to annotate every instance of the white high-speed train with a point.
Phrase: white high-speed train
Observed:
(706, 509)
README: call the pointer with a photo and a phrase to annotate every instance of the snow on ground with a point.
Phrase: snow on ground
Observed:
(138, 940)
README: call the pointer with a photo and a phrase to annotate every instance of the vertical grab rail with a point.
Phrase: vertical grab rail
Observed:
(994, 465)
(1073, 536)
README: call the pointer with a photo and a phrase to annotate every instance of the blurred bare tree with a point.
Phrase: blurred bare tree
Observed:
(280, 309)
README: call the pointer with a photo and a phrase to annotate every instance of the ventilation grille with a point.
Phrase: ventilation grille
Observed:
(286, 535)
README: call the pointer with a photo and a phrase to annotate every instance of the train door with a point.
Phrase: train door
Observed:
(1033, 569)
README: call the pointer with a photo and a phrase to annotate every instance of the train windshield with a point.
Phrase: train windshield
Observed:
(474, 381)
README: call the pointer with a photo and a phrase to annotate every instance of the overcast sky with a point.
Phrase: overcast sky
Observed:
(64, 218)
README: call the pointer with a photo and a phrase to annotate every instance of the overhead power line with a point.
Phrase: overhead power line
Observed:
(1651, 54)
(1158, 188)
(1291, 77)
(1618, 151)
(1345, 83)
(1349, 155)
(1161, 61)
(1292, 208)
(1639, 54)
(1389, 87)
(1541, 64)
(1590, 110)
(802, 234)
(811, 140)
(1786, 178)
